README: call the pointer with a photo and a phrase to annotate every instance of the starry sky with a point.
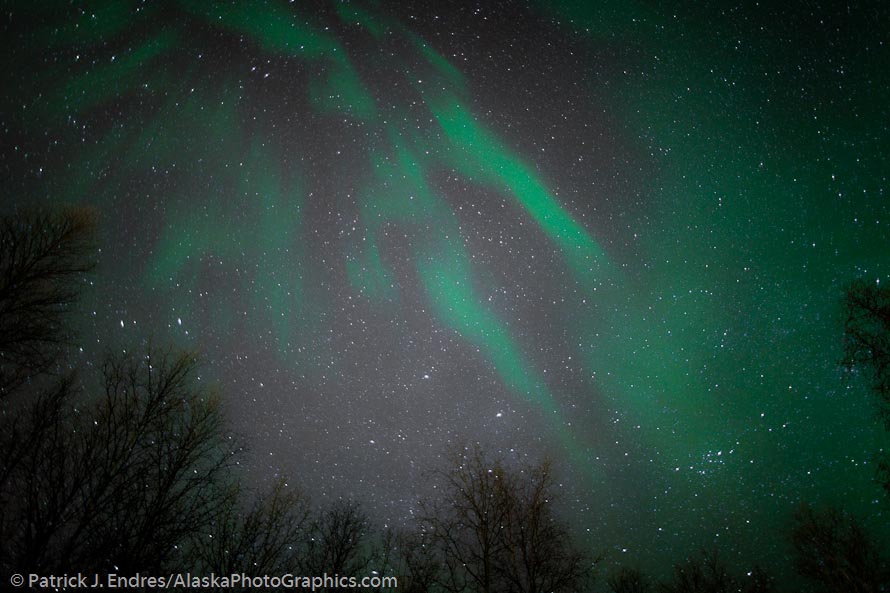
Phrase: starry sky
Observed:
(615, 234)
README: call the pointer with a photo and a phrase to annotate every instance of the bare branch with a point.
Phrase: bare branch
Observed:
(43, 258)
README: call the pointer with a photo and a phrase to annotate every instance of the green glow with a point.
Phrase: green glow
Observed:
(334, 88)
(445, 270)
(253, 195)
(445, 74)
(475, 151)
(251, 191)
(275, 27)
(108, 80)
(279, 278)
(341, 91)
(95, 22)
(399, 192)
(448, 280)
(181, 119)
(712, 245)
(352, 14)
(401, 195)
(731, 326)
(612, 19)
(368, 275)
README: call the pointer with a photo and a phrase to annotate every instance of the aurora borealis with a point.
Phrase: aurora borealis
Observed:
(615, 234)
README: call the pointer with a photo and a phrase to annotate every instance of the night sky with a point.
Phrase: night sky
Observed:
(610, 233)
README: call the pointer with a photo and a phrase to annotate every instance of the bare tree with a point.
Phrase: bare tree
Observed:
(338, 542)
(538, 555)
(867, 351)
(832, 549)
(38, 482)
(495, 530)
(699, 574)
(412, 558)
(466, 522)
(867, 338)
(116, 477)
(629, 580)
(707, 573)
(121, 481)
(43, 259)
(161, 455)
(266, 538)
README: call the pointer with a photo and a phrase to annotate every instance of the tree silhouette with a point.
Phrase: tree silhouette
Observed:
(832, 549)
(115, 477)
(494, 529)
(35, 477)
(867, 351)
(339, 542)
(43, 260)
(121, 482)
(537, 551)
(466, 522)
(629, 580)
(706, 573)
(267, 538)
(867, 338)
(410, 556)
